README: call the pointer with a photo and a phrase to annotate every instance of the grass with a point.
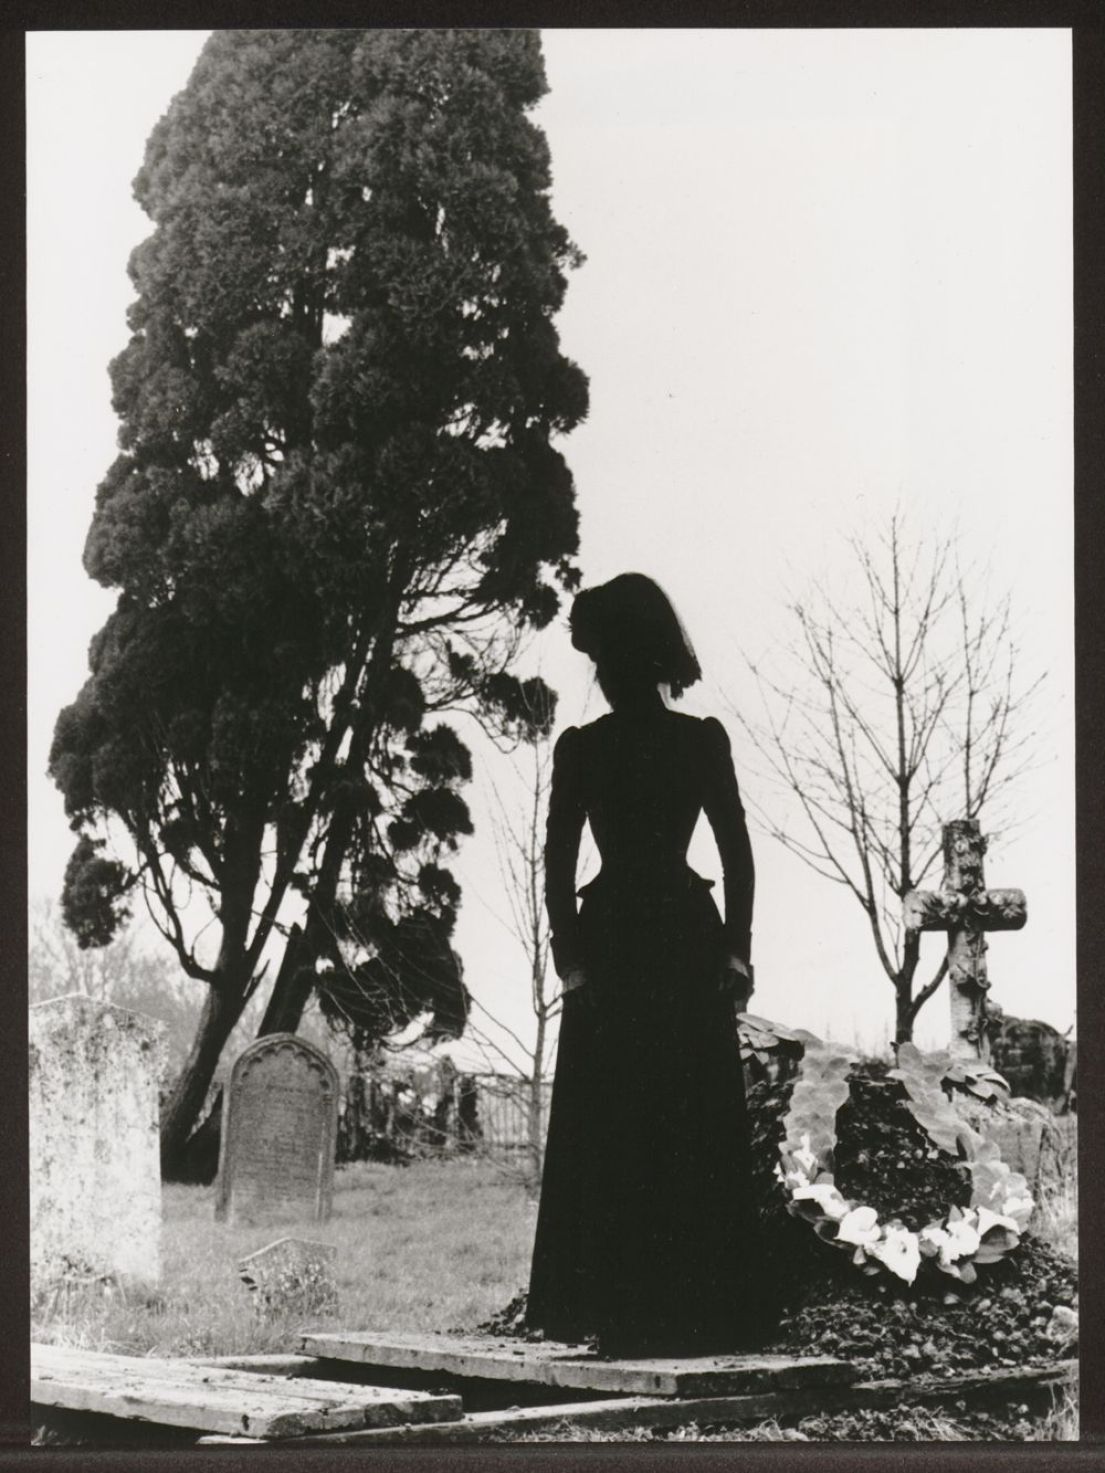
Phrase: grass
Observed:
(1061, 1422)
(1054, 1185)
(431, 1246)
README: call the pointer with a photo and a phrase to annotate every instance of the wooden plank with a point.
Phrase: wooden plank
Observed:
(576, 1367)
(67, 1360)
(271, 1365)
(622, 1413)
(209, 1399)
(207, 1409)
(226, 1439)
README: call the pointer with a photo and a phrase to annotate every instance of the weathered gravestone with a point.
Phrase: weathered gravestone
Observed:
(292, 1275)
(1036, 1059)
(94, 1150)
(966, 910)
(276, 1154)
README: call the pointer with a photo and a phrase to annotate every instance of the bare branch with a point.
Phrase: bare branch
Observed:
(884, 716)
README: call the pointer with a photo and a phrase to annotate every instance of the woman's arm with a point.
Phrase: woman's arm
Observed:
(725, 812)
(562, 835)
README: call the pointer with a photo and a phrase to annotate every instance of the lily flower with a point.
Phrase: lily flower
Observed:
(988, 1220)
(1019, 1209)
(933, 1240)
(827, 1197)
(899, 1251)
(964, 1237)
(859, 1226)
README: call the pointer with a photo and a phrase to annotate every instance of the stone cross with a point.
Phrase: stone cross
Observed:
(966, 910)
(94, 1148)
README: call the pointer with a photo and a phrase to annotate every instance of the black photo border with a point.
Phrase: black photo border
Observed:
(1086, 19)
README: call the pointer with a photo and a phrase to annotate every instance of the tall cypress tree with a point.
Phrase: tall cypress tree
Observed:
(337, 505)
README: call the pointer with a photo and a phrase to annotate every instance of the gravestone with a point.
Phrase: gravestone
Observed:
(280, 1122)
(966, 910)
(1036, 1059)
(94, 1150)
(292, 1275)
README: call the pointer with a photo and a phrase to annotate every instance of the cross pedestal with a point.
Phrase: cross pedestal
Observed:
(966, 910)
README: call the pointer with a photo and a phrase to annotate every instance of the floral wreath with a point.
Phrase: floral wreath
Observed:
(984, 1231)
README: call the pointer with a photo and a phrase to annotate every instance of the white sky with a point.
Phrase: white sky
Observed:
(828, 272)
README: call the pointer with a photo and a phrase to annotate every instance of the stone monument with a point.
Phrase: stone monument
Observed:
(279, 1133)
(966, 910)
(95, 1164)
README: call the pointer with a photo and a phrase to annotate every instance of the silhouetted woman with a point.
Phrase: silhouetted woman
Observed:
(646, 1234)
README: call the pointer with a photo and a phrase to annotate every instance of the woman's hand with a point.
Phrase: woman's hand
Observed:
(737, 981)
(572, 980)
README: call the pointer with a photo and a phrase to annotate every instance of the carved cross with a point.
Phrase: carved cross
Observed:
(966, 910)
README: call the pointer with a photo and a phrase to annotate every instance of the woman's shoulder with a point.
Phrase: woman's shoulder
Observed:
(572, 740)
(712, 729)
(713, 736)
(706, 729)
(590, 730)
(578, 744)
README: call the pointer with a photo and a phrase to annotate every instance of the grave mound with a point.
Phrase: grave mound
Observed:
(884, 1158)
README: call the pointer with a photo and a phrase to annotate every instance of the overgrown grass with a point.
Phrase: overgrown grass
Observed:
(1054, 1185)
(431, 1246)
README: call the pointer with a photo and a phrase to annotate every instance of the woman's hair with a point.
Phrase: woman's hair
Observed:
(629, 627)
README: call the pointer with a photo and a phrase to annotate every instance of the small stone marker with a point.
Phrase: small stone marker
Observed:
(966, 910)
(276, 1154)
(94, 1147)
(292, 1276)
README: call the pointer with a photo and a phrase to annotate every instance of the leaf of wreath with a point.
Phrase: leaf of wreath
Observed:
(951, 1245)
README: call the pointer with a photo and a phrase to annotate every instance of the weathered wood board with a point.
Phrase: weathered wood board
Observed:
(273, 1364)
(622, 1413)
(178, 1393)
(576, 1367)
(250, 1406)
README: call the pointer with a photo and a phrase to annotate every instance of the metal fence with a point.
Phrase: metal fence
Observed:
(389, 1114)
(503, 1106)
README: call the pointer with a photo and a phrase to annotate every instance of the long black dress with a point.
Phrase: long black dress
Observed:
(646, 1234)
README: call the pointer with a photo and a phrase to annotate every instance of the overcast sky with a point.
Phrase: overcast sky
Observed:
(828, 273)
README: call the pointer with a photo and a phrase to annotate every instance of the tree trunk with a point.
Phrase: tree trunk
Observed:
(536, 1102)
(221, 1010)
(296, 978)
(294, 983)
(903, 1010)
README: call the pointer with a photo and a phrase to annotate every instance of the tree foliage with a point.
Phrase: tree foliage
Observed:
(338, 502)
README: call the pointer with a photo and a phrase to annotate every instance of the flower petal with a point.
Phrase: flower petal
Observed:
(860, 1225)
(900, 1252)
(827, 1197)
(988, 1220)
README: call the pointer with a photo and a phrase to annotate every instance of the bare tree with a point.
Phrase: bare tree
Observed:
(892, 711)
(520, 840)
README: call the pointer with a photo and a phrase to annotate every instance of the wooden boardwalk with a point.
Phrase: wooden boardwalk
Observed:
(180, 1393)
(282, 1400)
(576, 1367)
